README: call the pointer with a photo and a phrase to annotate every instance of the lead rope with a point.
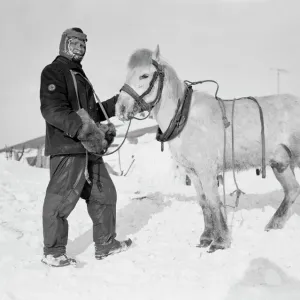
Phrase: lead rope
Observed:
(226, 124)
(238, 191)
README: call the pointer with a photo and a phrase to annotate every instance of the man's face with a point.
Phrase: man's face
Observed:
(77, 48)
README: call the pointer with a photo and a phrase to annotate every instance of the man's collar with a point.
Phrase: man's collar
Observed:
(70, 63)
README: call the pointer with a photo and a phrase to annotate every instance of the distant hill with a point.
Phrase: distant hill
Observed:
(34, 144)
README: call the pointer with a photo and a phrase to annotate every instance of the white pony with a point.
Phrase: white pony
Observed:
(199, 147)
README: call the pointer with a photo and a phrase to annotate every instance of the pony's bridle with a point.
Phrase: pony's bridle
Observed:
(144, 106)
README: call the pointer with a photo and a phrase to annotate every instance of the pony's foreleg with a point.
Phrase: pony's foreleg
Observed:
(281, 165)
(215, 232)
(220, 229)
(207, 236)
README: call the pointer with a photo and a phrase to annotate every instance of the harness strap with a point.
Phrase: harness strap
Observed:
(263, 139)
(86, 171)
(151, 84)
(129, 90)
(179, 120)
(71, 87)
(73, 73)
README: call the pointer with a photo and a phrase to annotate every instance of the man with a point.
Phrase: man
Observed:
(75, 140)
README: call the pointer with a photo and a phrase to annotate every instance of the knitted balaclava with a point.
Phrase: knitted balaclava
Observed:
(73, 44)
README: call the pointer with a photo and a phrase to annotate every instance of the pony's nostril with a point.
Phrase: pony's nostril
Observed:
(122, 109)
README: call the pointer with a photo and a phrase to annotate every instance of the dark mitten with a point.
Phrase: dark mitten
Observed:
(91, 136)
(110, 132)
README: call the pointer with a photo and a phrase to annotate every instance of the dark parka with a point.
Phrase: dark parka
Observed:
(59, 105)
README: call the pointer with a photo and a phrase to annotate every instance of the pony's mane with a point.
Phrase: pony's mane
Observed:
(143, 57)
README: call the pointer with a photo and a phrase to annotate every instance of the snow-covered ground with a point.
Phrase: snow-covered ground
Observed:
(160, 214)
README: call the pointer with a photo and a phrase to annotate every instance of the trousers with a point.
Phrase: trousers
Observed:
(66, 186)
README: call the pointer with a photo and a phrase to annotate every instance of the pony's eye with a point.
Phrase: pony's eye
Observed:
(144, 76)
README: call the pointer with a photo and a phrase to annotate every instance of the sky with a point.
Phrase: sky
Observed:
(238, 43)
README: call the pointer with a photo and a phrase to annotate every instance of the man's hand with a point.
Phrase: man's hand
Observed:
(95, 138)
(91, 136)
(110, 132)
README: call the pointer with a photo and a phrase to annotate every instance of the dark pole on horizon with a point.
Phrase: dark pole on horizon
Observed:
(279, 71)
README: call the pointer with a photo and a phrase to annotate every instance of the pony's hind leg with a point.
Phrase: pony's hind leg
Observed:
(283, 169)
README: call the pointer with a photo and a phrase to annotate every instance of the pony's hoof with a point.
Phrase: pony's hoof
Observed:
(274, 224)
(204, 243)
(215, 247)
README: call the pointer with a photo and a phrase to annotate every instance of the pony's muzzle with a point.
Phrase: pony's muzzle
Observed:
(122, 113)
(123, 107)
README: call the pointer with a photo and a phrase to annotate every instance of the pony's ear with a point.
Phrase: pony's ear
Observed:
(156, 54)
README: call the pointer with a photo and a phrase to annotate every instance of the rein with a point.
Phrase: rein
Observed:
(73, 73)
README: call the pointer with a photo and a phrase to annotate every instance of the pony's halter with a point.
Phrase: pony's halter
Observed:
(158, 74)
